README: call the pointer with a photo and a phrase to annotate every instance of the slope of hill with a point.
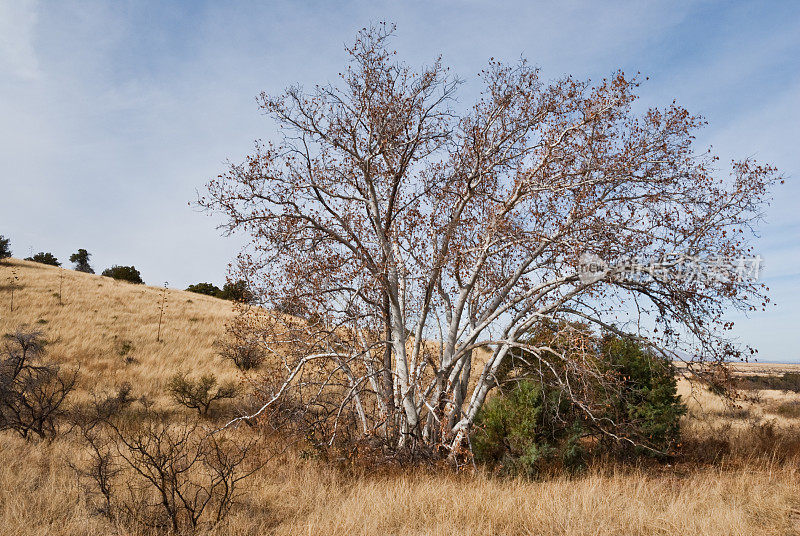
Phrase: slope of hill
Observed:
(109, 328)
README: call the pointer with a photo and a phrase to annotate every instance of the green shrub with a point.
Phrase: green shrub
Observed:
(209, 289)
(648, 404)
(198, 394)
(5, 247)
(124, 273)
(528, 430)
(44, 258)
(532, 426)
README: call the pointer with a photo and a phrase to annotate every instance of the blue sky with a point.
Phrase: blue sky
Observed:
(112, 114)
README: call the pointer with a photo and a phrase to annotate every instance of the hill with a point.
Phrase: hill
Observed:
(743, 484)
(109, 328)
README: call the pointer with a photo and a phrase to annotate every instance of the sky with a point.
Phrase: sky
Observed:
(113, 115)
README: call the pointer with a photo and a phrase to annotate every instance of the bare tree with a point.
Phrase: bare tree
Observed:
(423, 243)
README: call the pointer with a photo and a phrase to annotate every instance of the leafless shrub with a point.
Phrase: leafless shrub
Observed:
(732, 410)
(788, 382)
(241, 348)
(32, 392)
(758, 439)
(103, 406)
(100, 470)
(198, 394)
(167, 477)
(146, 402)
(117, 401)
(244, 356)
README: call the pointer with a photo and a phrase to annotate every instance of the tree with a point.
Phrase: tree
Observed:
(5, 247)
(209, 289)
(44, 258)
(232, 290)
(235, 291)
(81, 260)
(124, 273)
(426, 241)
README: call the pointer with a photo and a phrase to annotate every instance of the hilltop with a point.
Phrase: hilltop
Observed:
(109, 328)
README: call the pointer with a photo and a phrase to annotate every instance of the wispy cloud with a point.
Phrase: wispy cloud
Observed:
(113, 113)
(17, 25)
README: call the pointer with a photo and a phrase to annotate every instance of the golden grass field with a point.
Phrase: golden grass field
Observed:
(109, 329)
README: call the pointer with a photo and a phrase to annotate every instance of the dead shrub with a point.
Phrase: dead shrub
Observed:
(32, 392)
(115, 402)
(103, 406)
(790, 409)
(165, 477)
(246, 354)
(733, 411)
(759, 439)
(788, 381)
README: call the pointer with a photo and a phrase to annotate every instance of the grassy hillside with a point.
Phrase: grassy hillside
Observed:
(109, 329)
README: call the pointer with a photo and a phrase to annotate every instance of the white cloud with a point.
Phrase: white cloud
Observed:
(115, 112)
(17, 25)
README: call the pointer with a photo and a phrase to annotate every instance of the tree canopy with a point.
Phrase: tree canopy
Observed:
(124, 273)
(424, 240)
(5, 247)
(44, 258)
(81, 260)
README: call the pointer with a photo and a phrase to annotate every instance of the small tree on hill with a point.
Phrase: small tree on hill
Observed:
(235, 291)
(81, 260)
(199, 393)
(44, 258)
(209, 289)
(124, 273)
(5, 247)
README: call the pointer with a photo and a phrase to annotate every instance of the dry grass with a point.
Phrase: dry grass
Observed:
(108, 328)
(759, 495)
(41, 496)
(704, 503)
